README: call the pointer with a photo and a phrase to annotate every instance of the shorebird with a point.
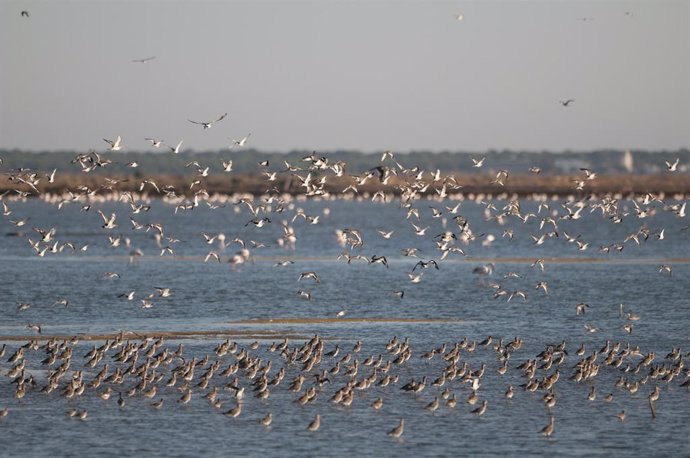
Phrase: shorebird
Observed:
(548, 429)
(25, 13)
(478, 163)
(315, 424)
(267, 420)
(398, 430)
(207, 125)
(567, 102)
(144, 60)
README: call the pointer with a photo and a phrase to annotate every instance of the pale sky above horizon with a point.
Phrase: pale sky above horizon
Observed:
(346, 74)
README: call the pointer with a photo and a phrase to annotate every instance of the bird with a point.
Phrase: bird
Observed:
(241, 142)
(267, 420)
(144, 60)
(176, 148)
(479, 411)
(208, 124)
(672, 166)
(315, 424)
(478, 163)
(567, 102)
(235, 411)
(25, 13)
(114, 144)
(311, 274)
(154, 142)
(398, 430)
(548, 429)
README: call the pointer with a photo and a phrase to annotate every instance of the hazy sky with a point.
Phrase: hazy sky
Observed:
(330, 74)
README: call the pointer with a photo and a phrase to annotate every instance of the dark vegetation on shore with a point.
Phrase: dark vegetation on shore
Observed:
(559, 172)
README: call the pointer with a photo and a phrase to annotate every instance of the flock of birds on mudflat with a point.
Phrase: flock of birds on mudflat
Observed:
(126, 367)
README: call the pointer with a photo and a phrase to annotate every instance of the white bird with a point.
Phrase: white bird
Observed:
(155, 142)
(114, 145)
(207, 125)
(478, 163)
(176, 149)
(672, 167)
(241, 142)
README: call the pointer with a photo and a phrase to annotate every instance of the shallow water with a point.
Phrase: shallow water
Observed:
(447, 305)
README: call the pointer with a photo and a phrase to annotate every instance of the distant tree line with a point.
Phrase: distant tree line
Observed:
(246, 161)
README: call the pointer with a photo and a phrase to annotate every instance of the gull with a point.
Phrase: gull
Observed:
(154, 142)
(379, 259)
(241, 142)
(589, 174)
(672, 167)
(176, 149)
(207, 125)
(478, 163)
(108, 223)
(590, 328)
(666, 268)
(565, 103)
(425, 265)
(304, 295)
(51, 177)
(164, 292)
(415, 278)
(540, 263)
(144, 60)
(418, 230)
(114, 145)
(385, 235)
(543, 285)
(311, 275)
(581, 308)
(212, 254)
(258, 222)
(129, 296)
(227, 166)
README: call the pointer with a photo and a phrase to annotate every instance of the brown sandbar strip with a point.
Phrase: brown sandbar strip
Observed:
(235, 334)
(344, 320)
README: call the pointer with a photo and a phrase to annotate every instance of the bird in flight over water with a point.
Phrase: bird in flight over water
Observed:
(565, 103)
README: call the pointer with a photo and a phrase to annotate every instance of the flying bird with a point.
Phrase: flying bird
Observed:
(207, 125)
(144, 60)
(114, 145)
(565, 103)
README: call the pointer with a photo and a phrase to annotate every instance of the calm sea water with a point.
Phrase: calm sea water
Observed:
(449, 304)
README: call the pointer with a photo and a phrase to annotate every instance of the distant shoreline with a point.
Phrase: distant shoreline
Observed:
(243, 183)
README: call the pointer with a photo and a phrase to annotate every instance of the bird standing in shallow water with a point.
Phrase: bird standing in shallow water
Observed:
(398, 430)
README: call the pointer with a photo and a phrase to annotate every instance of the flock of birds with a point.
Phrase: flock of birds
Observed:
(126, 367)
